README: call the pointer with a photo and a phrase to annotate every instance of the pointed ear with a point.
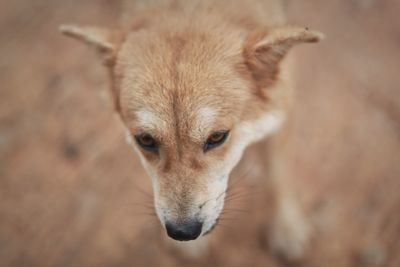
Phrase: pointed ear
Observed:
(264, 50)
(104, 40)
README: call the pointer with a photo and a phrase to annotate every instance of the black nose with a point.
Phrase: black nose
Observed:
(184, 231)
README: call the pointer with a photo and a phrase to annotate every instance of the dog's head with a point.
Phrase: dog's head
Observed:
(192, 100)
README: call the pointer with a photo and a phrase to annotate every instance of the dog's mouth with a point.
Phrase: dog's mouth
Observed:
(212, 227)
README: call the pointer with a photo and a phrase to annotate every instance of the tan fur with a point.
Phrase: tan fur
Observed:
(173, 60)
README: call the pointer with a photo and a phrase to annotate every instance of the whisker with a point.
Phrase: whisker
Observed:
(238, 192)
(234, 185)
(243, 173)
(249, 193)
(230, 215)
(148, 215)
(138, 204)
(238, 196)
(236, 210)
(143, 191)
(151, 226)
(228, 219)
(237, 199)
(219, 224)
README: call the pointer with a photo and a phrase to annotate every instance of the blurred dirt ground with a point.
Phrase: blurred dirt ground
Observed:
(72, 193)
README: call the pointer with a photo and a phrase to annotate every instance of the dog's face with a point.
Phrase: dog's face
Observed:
(191, 104)
(187, 108)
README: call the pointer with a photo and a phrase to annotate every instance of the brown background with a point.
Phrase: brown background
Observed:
(72, 193)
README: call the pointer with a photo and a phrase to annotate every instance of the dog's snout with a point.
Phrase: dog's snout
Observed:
(184, 231)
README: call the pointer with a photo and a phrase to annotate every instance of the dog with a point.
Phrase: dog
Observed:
(195, 83)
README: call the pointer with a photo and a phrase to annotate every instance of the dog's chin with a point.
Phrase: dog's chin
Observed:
(211, 227)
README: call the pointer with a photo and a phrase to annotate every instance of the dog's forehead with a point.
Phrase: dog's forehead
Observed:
(171, 83)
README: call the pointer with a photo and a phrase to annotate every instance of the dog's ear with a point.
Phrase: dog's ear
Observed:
(264, 50)
(105, 41)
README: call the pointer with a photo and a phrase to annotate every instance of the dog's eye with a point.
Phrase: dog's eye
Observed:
(147, 142)
(215, 139)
